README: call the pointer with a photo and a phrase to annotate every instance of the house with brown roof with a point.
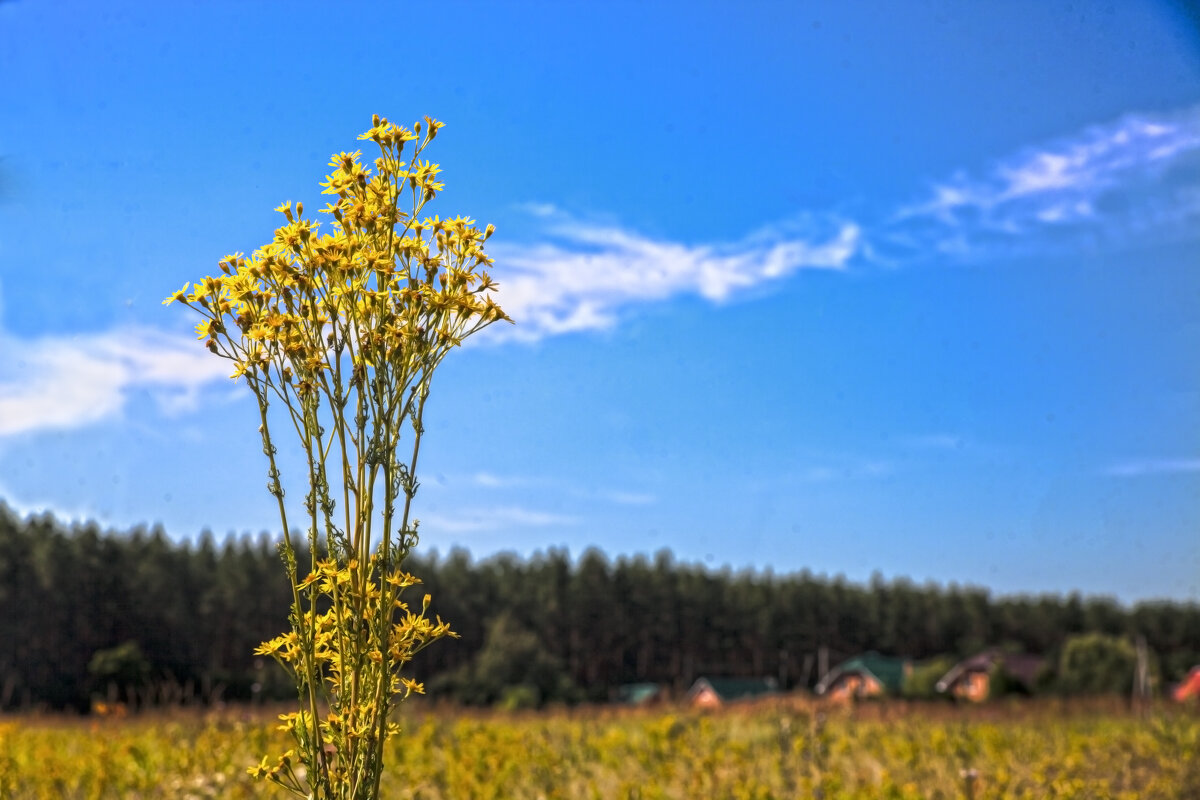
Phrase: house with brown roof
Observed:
(972, 679)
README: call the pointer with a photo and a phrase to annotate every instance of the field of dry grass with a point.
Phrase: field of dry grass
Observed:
(778, 750)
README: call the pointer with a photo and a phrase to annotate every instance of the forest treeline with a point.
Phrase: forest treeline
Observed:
(85, 613)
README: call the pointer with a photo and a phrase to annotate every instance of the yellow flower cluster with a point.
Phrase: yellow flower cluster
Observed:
(384, 286)
(339, 648)
(344, 329)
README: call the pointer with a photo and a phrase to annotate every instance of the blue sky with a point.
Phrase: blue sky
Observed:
(852, 287)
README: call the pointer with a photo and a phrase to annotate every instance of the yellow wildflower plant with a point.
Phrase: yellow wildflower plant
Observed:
(338, 335)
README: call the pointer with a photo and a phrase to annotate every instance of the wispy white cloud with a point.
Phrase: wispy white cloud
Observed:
(586, 275)
(841, 468)
(24, 506)
(491, 480)
(933, 441)
(495, 518)
(1136, 468)
(1136, 174)
(543, 210)
(57, 383)
(629, 498)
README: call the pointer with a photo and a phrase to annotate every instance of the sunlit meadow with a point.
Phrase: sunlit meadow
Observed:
(780, 750)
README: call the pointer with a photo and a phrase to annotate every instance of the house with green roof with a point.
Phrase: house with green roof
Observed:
(867, 675)
(640, 694)
(714, 692)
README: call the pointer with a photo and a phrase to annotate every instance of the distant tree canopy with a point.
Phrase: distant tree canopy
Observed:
(1095, 663)
(544, 629)
(921, 680)
(513, 667)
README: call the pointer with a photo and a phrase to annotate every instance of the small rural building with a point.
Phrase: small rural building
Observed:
(714, 692)
(868, 675)
(971, 679)
(1189, 687)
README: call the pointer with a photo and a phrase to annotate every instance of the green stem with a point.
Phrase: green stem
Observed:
(306, 641)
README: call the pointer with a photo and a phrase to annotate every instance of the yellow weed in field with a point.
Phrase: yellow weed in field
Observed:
(338, 335)
(763, 753)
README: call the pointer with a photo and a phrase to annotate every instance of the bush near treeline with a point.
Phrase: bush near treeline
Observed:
(87, 614)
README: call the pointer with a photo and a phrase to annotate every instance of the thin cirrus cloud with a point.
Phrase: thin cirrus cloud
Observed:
(629, 498)
(1136, 468)
(933, 441)
(55, 383)
(1136, 175)
(821, 473)
(490, 480)
(825, 468)
(589, 274)
(581, 282)
(496, 518)
(27, 507)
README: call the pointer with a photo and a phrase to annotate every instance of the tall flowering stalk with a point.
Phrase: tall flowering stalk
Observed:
(338, 336)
